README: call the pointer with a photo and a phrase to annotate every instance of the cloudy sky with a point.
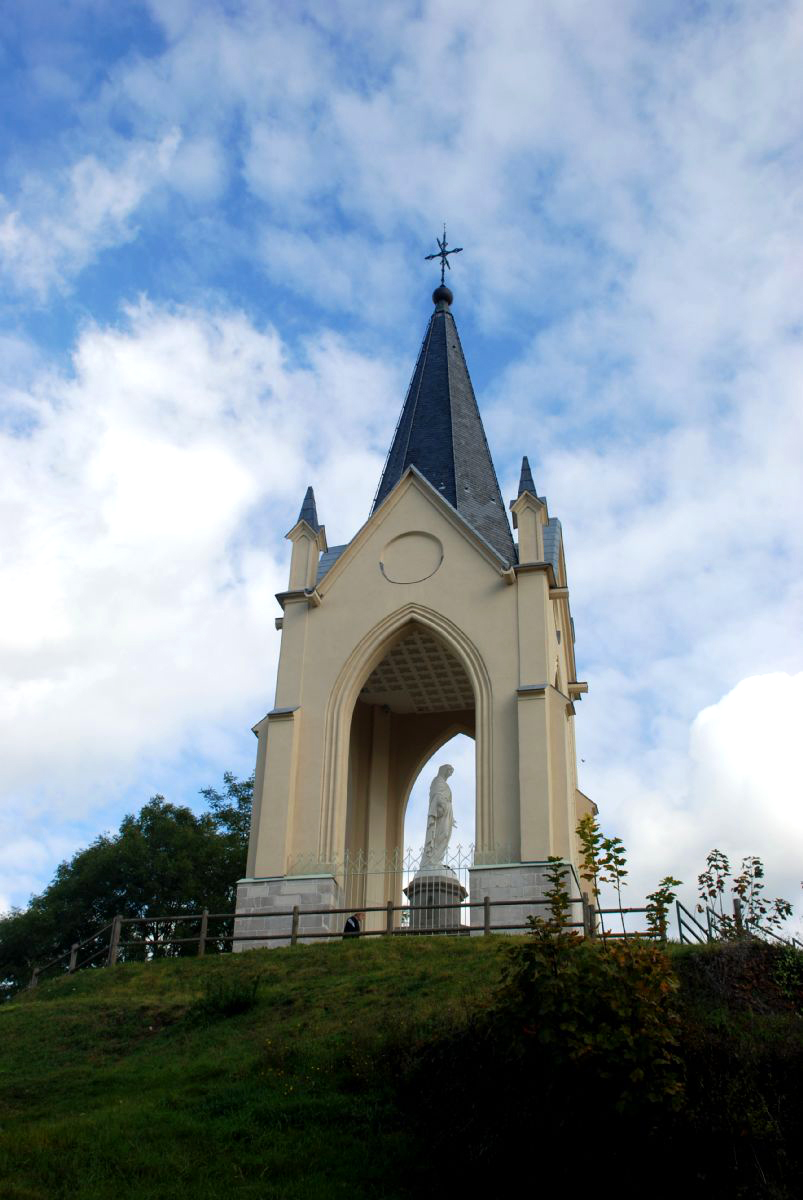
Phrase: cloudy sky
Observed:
(213, 218)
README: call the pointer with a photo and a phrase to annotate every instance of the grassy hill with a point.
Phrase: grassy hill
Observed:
(134, 1081)
(301, 1073)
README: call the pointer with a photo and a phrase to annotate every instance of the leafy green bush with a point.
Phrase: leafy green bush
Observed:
(789, 976)
(603, 1012)
(742, 1044)
(655, 1071)
(577, 1054)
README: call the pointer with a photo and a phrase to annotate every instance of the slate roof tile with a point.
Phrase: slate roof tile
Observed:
(440, 432)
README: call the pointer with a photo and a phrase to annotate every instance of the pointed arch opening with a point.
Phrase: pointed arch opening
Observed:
(457, 749)
(414, 699)
(413, 684)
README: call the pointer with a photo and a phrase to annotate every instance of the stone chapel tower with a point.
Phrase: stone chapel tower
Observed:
(431, 621)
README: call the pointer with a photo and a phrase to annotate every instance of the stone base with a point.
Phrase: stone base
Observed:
(515, 881)
(283, 893)
(431, 887)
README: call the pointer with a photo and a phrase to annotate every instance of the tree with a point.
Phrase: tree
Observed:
(753, 913)
(163, 862)
(231, 809)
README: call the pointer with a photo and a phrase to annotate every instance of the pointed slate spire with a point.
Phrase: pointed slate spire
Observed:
(309, 512)
(526, 481)
(440, 432)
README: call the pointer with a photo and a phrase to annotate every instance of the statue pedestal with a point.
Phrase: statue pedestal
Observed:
(432, 886)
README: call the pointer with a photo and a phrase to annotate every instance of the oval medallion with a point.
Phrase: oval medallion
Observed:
(411, 558)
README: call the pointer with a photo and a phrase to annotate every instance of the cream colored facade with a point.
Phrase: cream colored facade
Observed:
(418, 631)
(430, 622)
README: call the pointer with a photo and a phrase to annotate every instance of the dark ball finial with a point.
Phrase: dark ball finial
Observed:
(442, 292)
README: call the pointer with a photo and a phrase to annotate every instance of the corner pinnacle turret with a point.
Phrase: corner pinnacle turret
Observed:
(526, 481)
(309, 512)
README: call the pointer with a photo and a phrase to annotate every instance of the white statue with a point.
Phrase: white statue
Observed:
(440, 820)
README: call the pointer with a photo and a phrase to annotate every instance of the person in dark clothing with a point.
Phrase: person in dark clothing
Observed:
(353, 925)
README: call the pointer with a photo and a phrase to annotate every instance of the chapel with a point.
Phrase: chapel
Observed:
(436, 618)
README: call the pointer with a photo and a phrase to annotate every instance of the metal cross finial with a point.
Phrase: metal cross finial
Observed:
(443, 253)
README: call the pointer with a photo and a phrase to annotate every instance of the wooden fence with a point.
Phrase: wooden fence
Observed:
(104, 947)
(100, 950)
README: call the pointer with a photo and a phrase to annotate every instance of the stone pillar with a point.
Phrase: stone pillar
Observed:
(430, 887)
(281, 894)
(274, 793)
(521, 882)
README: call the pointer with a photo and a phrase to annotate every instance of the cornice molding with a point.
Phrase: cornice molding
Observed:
(526, 568)
(310, 596)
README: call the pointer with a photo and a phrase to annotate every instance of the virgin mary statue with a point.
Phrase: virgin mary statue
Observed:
(440, 820)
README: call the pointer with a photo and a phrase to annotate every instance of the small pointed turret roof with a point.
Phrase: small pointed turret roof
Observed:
(309, 512)
(526, 481)
(440, 432)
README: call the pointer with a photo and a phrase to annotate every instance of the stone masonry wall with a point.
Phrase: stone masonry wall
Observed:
(513, 881)
(265, 895)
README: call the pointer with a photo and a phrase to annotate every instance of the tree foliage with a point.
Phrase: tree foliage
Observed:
(164, 861)
(650, 1071)
(602, 860)
(603, 1012)
(753, 913)
(658, 904)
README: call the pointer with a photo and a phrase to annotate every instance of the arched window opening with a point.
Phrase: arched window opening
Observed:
(445, 878)
(459, 753)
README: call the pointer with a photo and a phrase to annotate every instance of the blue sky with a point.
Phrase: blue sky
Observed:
(213, 218)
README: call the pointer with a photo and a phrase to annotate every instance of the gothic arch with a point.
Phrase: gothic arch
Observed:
(447, 733)
(368, 653)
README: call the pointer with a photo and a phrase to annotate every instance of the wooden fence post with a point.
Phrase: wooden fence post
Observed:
(592, 920)
(486, 915)
(389, 917)
(114, 941)
(73, 958)
(202, 935)
(737, 915)
(588, 930)
(294, 930)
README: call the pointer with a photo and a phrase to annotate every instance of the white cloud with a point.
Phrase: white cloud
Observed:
(574, 151)
(744, 754)
(283, 165)
(737, 788)
(60, 223)
(142, 516)
(627, 185)
(28, 858)
(198, 169)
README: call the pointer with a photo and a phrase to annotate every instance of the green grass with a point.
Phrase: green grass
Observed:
(146, 1081)
(300, 1072)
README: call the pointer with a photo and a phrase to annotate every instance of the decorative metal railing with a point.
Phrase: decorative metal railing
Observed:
(357, 870)
(719, 926)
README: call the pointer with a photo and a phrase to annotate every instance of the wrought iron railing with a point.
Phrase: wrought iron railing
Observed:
(357, 869)
(720, 926)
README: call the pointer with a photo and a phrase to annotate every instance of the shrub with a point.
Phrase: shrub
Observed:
(605, 1013)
